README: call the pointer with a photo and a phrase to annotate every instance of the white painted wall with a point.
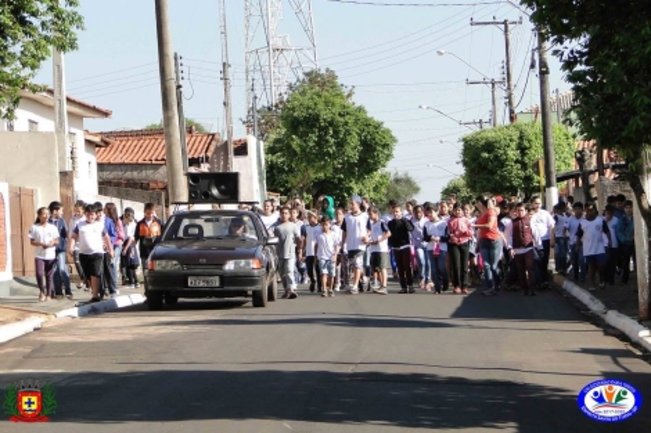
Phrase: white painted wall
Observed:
(249, 171)
(4, 191)
(86, 180)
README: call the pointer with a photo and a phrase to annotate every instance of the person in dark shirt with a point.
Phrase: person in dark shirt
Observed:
(400, 244)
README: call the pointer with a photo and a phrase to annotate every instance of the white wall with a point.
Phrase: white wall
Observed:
(247, 166)
(29, 160)
(86, 179)
(4, 191)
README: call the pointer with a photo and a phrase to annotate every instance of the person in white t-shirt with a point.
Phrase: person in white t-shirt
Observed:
(45, 237)
(327, 248)
(355, 236)
(591, 232)
(309, 234)
(342, 258)
(378, 247)
(542, 224)
(269, 215)
(93, 242)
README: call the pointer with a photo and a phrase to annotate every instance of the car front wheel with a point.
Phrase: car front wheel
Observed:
(260, 296)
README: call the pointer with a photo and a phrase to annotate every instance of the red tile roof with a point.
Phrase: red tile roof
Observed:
(147, 146)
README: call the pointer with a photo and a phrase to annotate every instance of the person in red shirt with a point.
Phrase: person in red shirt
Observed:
(459, 235)
(490, 243)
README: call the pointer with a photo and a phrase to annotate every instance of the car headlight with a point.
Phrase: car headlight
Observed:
(163, 265)
(242, 265)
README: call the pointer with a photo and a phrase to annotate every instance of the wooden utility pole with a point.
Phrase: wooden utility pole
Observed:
(493, 83)
(228, 114)
(507, 46)
(551, 191)
(176, 183)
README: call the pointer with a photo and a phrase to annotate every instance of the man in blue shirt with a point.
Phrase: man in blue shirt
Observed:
(61, 275)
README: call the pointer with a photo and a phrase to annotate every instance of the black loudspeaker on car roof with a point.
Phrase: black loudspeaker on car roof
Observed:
(214, 187)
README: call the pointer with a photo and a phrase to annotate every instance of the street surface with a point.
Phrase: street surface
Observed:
(366, 363)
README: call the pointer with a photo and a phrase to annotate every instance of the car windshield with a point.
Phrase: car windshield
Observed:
(188, 227)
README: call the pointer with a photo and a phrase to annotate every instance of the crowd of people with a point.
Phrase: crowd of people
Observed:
(103, 244)
(493, 243)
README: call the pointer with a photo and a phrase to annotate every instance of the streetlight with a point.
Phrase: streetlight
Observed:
(444, 52)
(427, 107)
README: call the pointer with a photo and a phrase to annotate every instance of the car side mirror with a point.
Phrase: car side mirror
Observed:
(273, 241)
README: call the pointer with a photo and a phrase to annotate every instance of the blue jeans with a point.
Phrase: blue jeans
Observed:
(578, 264)
(439, 272)
(423, 263)
(61, 276)
(490, 253)
(560, 255)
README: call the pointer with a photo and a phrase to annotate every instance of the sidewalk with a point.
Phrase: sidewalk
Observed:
(616, 304)
(21, 312)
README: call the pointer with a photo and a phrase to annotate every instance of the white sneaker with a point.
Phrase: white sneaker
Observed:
(337, 288)
(381, 291)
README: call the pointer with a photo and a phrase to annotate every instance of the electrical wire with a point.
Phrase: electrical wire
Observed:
(131, 68)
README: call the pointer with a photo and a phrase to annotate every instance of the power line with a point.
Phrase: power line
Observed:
(112, 72)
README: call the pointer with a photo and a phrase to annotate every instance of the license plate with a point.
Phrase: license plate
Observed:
(203, 281)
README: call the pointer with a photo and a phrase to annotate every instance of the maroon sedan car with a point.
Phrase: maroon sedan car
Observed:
(212, 254)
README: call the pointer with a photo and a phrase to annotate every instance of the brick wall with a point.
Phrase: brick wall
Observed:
(3, 236)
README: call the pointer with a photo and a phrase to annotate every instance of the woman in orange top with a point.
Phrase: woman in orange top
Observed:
(490, 244)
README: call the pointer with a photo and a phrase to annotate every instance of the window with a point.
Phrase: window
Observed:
(33, 125)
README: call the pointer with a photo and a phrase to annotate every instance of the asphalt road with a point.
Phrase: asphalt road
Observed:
(365, 363)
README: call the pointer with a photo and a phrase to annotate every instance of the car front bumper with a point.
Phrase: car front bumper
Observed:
(231, 284)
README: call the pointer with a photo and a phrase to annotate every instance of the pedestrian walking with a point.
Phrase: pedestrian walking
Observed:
(45, 237)
(490, 246)
(309, 234)
(435, 233)
(378, 248)
(148, 232)
(400, 244)
(94, 242)
(575, 245)
(77, 217)
(625, 236)
(61, 274)
(543, 224)
(327, 248)
(355, 235)
(420, 246)
(115, 230)
(523, 250)
(459, 235)
(130, 260)
(593, 231)
(289, 238)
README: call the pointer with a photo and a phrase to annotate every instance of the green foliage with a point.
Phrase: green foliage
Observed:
(188, 123)
(605, 52)
(401, 187)
(326, 144)
(503, 160)
(29, 29)
(457, 187)
(49, 400)
(10, 404)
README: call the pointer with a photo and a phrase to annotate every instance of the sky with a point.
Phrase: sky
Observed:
(388, 54)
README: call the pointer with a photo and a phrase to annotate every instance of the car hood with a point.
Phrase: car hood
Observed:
(207, 251)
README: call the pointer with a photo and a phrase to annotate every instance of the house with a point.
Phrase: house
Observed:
(133, 166)
(36, 170)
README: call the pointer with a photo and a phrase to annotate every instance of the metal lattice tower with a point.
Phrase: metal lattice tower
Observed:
(272, 60)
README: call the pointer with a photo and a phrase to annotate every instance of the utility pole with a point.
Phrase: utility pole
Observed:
(507, 46)
(61, 112)
(551, 192)
(228, 114)
(179, 103)
(176, 183)
(493, 83)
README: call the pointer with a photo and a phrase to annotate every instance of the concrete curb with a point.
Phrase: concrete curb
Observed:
(17, 329)
(14, 330)
(636, 332)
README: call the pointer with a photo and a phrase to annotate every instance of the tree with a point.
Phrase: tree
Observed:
(29, 29)
(458, 188)
(188, 122)
(503, 160)
(401, 187)
(326, 144)
(604, 50)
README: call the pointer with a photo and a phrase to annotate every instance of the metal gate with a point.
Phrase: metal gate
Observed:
(23, 214)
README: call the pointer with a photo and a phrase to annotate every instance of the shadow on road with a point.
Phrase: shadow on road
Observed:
(411, 401)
